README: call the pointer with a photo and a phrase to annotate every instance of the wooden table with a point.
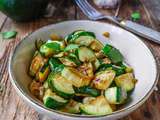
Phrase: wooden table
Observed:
(12, 107)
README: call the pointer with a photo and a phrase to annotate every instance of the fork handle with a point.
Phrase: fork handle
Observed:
(141, 30)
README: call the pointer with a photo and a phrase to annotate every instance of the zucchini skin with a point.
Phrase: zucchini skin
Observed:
(126, 81)
(118, 96)
(71, 47)
(76, 34)
(115, 95)
(74, 58)
(56, 65)
(50, 102)
(63, 94)
(115, 56)
(88, 90)
(113, 53)
(70, 60)
(97, 106)
(84, 33)
(49, 80)
(70, 36)
(118, 69)
(103, 67)
(81, 37)
(107, 48)
(50, 48)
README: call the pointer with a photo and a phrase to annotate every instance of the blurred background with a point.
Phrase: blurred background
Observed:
(27, 10)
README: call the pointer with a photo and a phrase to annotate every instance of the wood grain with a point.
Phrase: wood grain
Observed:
(12, 107)
(2, 19)
(3, 44)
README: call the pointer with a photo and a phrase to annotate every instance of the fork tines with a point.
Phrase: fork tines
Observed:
(87, 9)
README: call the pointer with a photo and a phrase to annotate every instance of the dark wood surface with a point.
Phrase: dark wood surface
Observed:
(12, 107)
(153, 9)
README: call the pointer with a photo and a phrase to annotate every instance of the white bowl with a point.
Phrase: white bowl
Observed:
(135, 52)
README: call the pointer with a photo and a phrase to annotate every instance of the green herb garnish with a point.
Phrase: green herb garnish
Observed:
(136, 16)
(9, 34)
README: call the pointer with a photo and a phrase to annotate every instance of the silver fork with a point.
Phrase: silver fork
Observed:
(133, 27)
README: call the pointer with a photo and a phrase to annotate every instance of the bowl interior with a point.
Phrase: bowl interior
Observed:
(135, 52)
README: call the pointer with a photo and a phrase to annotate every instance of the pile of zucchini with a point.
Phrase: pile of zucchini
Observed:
(80, 75)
